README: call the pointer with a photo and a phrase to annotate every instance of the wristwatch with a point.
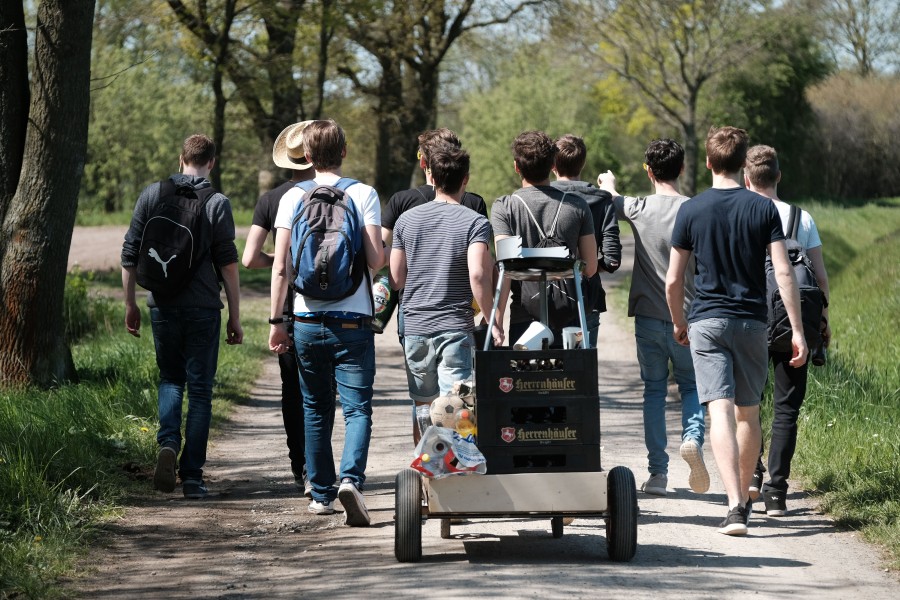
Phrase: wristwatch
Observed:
(276, 320)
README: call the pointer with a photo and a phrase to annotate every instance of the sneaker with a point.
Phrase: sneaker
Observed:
(775, 503)
(321, 508)
(656, 485)
(736, 521)
(164, 477)
(302, 482)
(353, 503)
(194, 489)
(692, 453)
(756, 483)
(749, 509)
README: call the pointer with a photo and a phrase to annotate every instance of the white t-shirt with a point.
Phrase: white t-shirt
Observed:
(807, 233)
(365, 198)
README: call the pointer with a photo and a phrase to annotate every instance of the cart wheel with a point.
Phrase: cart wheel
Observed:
(621, 526)
(408, 516)
(445, 529)
(556, 526)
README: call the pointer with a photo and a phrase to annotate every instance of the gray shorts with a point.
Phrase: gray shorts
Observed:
(731, 359)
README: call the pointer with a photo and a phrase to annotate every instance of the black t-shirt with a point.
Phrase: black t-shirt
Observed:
(728, 231)
(404, 200)
(267, 207)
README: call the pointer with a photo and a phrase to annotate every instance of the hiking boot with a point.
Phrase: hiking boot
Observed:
(194, 489)
(756, 482)
(656, 485)
(736, 521)
(775, 503)
(321, 508)
(692, 453)
(164, 476)
(354, 506)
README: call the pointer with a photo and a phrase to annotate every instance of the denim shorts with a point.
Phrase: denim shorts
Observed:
(731, 359)
(435, 362)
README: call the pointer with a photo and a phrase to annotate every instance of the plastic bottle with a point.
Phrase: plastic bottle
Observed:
(465, 422)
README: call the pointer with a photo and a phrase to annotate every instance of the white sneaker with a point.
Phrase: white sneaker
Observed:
(321, 508)
(692, 453)
(354, 506)
(656, 485)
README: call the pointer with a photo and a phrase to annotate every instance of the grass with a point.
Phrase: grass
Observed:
(70, 457)
(242, 218)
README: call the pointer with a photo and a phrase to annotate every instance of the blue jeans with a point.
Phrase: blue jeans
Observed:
(656, 347)
(187, 351)
(435, 362)
(323, 349)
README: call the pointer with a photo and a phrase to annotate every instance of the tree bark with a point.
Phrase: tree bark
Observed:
(37, 227)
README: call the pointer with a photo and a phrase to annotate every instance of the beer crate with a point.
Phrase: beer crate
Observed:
(527, 373)
(542, 459)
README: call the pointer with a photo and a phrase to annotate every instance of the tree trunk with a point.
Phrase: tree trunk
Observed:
(691, 159)
(38, 224)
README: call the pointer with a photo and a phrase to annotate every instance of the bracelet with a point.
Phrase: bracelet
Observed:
(276, 320)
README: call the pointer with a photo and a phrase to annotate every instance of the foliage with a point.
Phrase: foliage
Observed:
(858, 124)
(84, 312)
(557, 102)
(70, 457)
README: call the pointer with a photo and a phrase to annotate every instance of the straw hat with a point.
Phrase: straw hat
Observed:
(288, 150)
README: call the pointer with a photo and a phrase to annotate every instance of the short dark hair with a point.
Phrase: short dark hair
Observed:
(325, 142)
(434, 138)
(197, 150)
(449, 167)
(726, 149)
(664, 158)
(762, 166)
(534, 153)
(570, 155)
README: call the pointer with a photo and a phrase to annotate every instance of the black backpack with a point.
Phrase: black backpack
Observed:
(562, 298)
(175, 239)
(812, 299)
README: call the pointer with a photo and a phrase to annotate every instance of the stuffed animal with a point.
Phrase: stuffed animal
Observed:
(444, 409)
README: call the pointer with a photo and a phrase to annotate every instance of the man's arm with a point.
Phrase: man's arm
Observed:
(607, 181)
(818, 264)
(254, 257)
(231, 282)
(399, 269)
(610, 244)
(678, 261)
(481, 276)
(278, 336)
(587, 251)
(132, 312)
(790, 294)
(376, 256)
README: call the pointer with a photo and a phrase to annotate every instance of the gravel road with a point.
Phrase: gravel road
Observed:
(253, 537)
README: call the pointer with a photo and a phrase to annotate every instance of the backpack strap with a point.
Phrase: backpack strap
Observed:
(794, 222)
(556, 218)
(544, 236)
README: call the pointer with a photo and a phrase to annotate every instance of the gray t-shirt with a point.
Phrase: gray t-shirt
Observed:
(652, 219)
(436, 238)
(510, 217)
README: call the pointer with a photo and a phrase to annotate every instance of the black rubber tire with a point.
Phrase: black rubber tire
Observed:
(408, 516)
(621, 526)
(556, 526)
(445, 529)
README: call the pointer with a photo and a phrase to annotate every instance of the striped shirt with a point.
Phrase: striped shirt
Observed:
(436, 238)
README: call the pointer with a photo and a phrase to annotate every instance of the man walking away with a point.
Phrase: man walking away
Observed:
(186, 323)
(729, 230)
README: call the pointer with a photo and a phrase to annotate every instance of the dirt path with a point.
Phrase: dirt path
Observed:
(253, 538)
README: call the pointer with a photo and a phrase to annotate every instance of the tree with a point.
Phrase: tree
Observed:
(42, 151)
(866, 29)
(407, 42)
(670, 52)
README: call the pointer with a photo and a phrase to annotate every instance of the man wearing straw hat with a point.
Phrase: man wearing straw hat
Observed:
(292, 159)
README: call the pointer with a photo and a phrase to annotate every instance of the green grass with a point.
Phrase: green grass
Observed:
(242, 218)
(71, 457)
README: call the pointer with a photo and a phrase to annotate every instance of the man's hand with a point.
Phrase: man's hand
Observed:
(680, 331)
(279, 342)
(800, 350)
(499, 336)
(235, 334)
(133, 320)
(607, 181)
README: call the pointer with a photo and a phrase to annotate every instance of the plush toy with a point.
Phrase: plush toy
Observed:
(444, 409)
(465, 390)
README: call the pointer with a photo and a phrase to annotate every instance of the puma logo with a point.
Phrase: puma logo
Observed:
(165, 264)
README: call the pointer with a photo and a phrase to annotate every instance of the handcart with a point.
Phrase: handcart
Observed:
(538, 427)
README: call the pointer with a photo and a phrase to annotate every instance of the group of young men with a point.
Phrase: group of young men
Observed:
(436, 242)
